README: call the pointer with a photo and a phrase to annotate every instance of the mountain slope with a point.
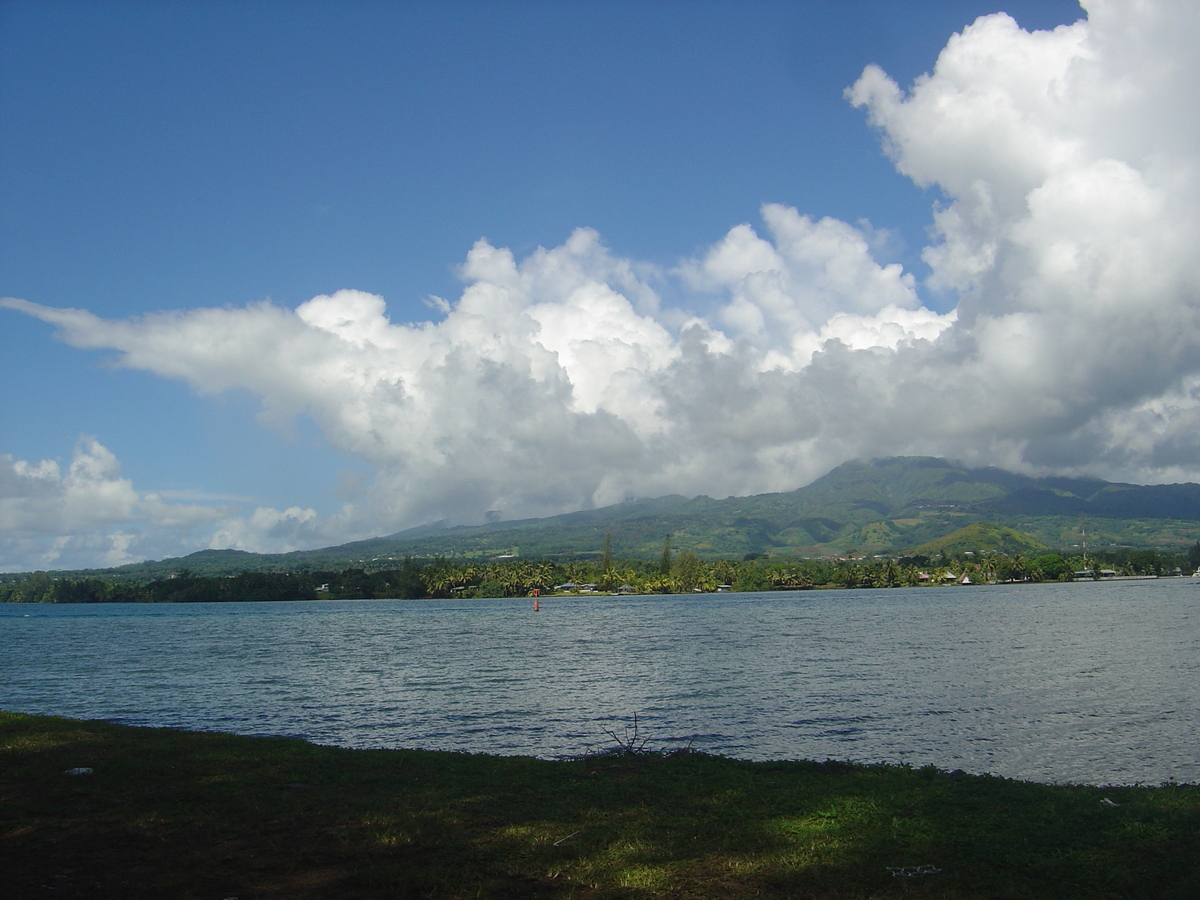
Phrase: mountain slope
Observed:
(983, 536)
(867, 506)
(880, 506)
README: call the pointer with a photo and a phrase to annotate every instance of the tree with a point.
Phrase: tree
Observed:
(409, 584)
(543, 576)
(439, 578)
(1052, 566)
(1018, 568)
(1146, 562)
(664, 563)
(608, 579)
(752, 577)
(791, 578)
(1193, 557)
(724, 571)
(689, 571)
(847, 574)
(491, 587)
(37, 587)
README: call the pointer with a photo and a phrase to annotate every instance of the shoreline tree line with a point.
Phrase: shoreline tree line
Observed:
(672, 573)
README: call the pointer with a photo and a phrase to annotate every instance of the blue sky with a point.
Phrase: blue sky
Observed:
(210, 156)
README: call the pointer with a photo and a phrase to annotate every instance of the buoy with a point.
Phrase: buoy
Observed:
(535, 604)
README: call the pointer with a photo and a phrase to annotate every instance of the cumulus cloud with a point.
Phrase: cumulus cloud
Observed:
(554, 382)
(1063, 243)
(1069, 229)
(90, 515)
(269, 529)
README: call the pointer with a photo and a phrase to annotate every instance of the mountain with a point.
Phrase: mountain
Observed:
(878, 506)
(983, 536)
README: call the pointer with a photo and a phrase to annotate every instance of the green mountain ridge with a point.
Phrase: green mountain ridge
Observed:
(983, 536)
(885, 506)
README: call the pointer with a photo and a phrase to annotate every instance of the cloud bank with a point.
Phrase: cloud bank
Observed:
(1063, 243)
(91, 516)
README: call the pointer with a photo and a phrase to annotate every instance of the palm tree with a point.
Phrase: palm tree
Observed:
(724, 571)
(1018, 569)
(438, 580)
(848, 575)
(542, 577)
(791, 578)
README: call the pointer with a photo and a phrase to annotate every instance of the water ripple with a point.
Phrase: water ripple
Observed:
(1066, 683)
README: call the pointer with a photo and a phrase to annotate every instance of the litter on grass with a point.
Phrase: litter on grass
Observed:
(912, 871)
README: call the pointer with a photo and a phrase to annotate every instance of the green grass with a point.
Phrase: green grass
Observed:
(177, 814)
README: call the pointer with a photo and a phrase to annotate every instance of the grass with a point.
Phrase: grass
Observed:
(176, 814)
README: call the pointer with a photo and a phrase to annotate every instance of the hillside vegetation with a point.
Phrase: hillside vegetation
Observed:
(986, 537)
(891, 506)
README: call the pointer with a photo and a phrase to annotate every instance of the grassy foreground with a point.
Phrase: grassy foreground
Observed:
(177, 814)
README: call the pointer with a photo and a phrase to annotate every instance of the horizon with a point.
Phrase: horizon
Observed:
(280, 278)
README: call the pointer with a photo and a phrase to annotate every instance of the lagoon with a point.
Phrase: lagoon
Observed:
(1081, 683)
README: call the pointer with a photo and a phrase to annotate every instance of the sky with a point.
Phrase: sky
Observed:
(284, 275)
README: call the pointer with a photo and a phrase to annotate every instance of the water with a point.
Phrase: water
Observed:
(1084, 683)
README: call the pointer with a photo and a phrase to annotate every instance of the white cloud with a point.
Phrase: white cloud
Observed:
(1068, 160)
(553, 383)
(782, 291)
(92, 516)
(1066, 232)
(269, 530)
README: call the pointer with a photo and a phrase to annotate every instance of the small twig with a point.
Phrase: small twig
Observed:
(567, 838)
(632, 742)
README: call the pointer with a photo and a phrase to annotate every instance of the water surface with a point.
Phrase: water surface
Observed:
(1090, 683)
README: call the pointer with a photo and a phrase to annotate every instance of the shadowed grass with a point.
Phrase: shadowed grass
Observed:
(187, 815)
